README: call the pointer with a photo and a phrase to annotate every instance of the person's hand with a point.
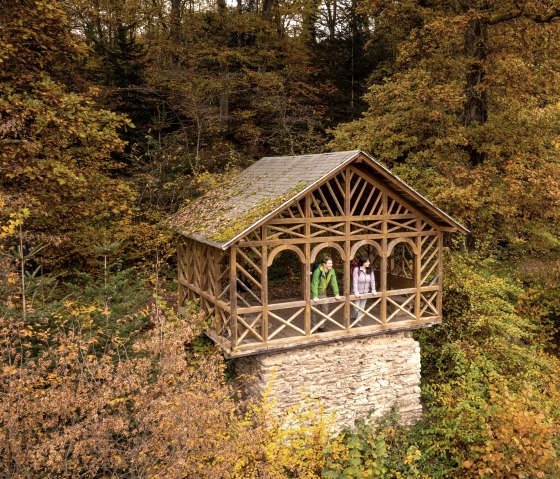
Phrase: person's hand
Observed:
(357, 295)
(337, 297)
(315, 299)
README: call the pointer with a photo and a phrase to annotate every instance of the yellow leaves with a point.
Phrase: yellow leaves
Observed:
(81, 310)
(10, 370)
(15, 220)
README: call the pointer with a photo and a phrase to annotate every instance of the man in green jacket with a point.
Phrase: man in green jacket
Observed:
(323, 276)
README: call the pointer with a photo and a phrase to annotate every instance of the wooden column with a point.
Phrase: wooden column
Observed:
(439, 299)
(347, 272)
(216, 271)
(307, 267)
(264, 284)
(187, 255)
(180, 272)
(418, 269)
(233, 296)
(383, 272)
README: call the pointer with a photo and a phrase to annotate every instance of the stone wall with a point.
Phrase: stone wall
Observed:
(356, 379)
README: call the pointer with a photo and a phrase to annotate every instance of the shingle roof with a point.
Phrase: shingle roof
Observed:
(225, 214)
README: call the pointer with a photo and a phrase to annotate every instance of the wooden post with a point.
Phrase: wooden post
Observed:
(180, 273)
(264, 285)
(439, 299)
(307, 267)
(233, 296)
(347, 247)
(383, 272)
(187, 267)
(418, 269)
(216, 272)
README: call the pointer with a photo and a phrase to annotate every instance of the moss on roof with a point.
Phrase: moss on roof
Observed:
(212, 215)
(237, 204)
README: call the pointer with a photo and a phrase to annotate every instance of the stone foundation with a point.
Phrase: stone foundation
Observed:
(355, 379)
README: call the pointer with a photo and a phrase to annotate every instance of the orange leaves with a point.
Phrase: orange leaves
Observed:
(499, 433)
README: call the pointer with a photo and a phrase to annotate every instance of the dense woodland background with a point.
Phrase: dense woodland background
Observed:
(114, 113)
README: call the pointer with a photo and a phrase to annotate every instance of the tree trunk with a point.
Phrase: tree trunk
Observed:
(309, 22)
(475, 111)
(331, 18)
(175, 26)
(267, 9)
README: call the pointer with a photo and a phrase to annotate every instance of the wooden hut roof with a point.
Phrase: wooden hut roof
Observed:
(225, 214)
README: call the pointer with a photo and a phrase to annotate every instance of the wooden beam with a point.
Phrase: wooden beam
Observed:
(233, 296)
(395, 196)
(180, 271)
(418, 269)
(264, 282)
(333, 195)
(204, 294)
(334, 219)
(325, 239)
(439, 300)
(383, 267)
(347, 248)
(258, 269)
(307, 268)
(304, 341)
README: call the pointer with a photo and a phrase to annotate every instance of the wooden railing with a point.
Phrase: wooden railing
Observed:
(290, 323)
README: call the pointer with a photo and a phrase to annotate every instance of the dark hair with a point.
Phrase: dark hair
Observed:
(326, 258)
(365, 259)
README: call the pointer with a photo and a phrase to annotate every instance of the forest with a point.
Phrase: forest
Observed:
(116, 113)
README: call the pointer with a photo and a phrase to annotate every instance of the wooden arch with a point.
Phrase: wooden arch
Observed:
(328, 244)
(396, 241)
(361, 243)
(284, 247)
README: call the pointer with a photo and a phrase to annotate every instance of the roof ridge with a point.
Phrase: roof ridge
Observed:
(223, 215)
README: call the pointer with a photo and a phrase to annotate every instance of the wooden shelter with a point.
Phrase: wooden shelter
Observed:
(299, 208)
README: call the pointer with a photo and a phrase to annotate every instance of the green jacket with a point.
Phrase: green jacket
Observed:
(320, 281)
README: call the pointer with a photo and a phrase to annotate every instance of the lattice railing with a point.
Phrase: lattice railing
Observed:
(249, 327)
(327, 319)
(249, 276)
(374, 227)
(327, 229)
(369, 315)
(286, 322)
(275, 232)
(221, 322)
(401, 306)
(428, 304)
(429, 260)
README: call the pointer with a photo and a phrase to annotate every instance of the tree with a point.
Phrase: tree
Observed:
(57, 144)
(468, 112)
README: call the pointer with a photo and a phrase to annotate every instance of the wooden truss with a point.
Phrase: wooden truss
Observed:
(348, 212)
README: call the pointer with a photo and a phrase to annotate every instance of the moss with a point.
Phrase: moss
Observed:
(238, 224)
(211, 215)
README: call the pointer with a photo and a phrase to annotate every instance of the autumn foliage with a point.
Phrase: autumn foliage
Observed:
(115, 113)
